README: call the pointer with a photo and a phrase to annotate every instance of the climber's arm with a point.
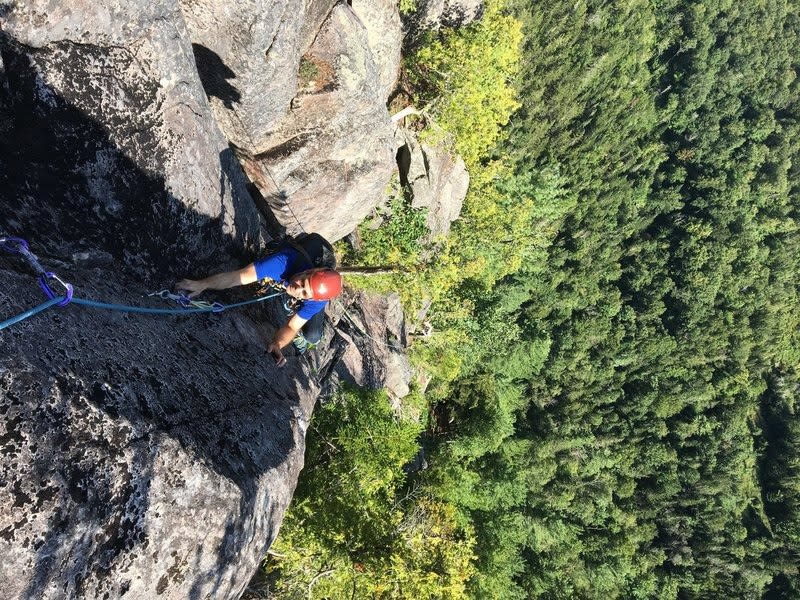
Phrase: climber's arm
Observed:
(283, 337)
(220, 281)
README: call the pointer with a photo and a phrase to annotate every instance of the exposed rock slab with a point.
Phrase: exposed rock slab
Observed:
(381, 18)
(108, 141)
(435, 14)
(451, 13)
(316, 12)
(140, 456)
(375, 357)
(438, 181)
(248, 55)
(331, 157)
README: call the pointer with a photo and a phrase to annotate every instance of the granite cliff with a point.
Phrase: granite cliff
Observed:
(148, 456)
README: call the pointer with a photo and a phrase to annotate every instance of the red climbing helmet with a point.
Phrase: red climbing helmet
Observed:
(325, 284)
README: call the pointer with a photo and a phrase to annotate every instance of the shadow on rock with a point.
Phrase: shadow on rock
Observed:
(68, 187)
(215, 74)
(140, 455)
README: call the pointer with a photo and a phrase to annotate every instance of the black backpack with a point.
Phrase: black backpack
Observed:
(317, 251)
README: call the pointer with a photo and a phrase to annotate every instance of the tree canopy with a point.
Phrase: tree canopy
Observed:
(613, 409)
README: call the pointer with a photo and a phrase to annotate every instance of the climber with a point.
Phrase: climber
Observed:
(305, 267)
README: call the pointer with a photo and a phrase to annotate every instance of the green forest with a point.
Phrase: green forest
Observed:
(614, 405)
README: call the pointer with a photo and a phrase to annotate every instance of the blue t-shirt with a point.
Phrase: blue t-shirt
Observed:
(282, 266)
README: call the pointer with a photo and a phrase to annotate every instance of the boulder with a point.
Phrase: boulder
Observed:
(375, 358)
(331, 157)
(248, 55)
(437, 179)
(451, 13)
(381, 18)
(108, 141)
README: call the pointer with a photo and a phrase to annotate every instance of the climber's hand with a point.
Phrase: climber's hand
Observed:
(194, 287)
(275, 351)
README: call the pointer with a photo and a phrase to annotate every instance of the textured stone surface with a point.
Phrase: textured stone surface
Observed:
(381, 18)
(240, 48)
(248, 55)
(140, 456)
(108, 142)
(453, 13)
(316, 13)
(434, 14)
(438, 181)
(154, 456)
(375, 358)
(331, 157)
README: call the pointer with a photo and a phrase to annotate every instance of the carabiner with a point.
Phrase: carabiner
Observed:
(6, 241)
(24, 251)
(48, 291)
(184, 300)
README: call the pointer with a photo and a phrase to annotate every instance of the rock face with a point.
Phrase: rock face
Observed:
(381, 18)
(434, 14)
(317, 146)
(451, 13)
(331, 157)
(316, 11)
(438, 181)
(151, 456)
(140, 456)
(242, 49)
(108, 142)
(375, 357)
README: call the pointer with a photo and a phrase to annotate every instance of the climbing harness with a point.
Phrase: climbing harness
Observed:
(290, 304)
(19, 246)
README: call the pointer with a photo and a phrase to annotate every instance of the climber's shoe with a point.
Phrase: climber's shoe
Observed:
(301, 344)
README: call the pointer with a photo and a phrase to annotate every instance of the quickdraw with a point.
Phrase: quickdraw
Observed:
(15, 245)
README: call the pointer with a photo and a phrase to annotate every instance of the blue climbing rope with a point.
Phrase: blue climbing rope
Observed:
(215, 308)
(58, 301)
(30, 313)
(19, 246)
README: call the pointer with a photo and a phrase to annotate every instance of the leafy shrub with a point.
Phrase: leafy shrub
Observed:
(407, 7)
(398, 241)
(355, 529)
(465, 76)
